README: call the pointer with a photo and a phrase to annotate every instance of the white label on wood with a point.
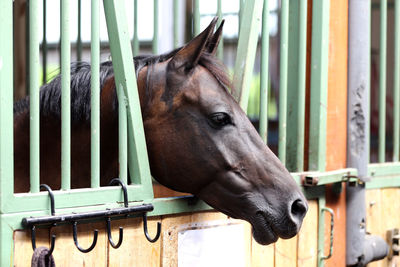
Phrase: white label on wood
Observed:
(212, 246)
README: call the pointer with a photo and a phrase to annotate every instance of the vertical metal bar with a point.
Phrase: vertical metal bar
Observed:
(301, 106)
(246, 51)
(65, 98)
(6, 106)
(283, 79)
(396, 82)
(382, 81)
(241, 4)
(44, 43)
(176, 24)
(34, 95)
(123, 68)
(220, 48)
(79, 36)
(196, 17)
(122, 132)
(95, 95)
(155, 28)
(319, 85)
(264, 73)
(135, 47)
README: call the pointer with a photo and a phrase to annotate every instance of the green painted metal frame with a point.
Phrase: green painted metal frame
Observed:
(382, 81)
(396, 83)
(246, 51)
(319, 85)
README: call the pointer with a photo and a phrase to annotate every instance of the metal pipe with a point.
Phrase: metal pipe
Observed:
(44, 43)
(220, 48)
(283, 79)
(382, 80)
(196, 17)
(122, 132)
(79, 35)
(95, 95)
(155, 28)
(34, 96)
(65, 97)
(264, 73)
(176, 24)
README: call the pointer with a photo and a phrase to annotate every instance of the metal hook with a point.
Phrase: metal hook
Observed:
(146, 233)
(51, 195)
(121, 183)
(33, 236)
(75, 236)
(121, 234)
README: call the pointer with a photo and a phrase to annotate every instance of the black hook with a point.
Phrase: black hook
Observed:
(147, 233)
(121, 183)
(121, 234)
(51, 195)
(33, 236)
(75, 236)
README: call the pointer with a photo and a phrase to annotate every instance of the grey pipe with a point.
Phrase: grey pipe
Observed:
(360, 248)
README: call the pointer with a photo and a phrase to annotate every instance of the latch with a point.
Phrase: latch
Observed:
(393, 238)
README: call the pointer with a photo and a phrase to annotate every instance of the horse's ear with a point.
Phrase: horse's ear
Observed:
(188, 57)
(213, 42)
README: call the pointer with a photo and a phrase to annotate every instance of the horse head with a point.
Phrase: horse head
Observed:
(200, 141)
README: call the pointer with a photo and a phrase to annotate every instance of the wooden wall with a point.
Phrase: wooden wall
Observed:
(137, 251)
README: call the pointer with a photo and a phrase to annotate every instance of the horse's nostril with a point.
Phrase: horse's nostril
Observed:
(298, 209)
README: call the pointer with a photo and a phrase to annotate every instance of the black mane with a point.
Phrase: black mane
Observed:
(50, 93)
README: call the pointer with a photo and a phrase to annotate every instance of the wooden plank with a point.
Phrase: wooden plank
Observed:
(262, 256)
(307, 239)
(135, 250)
(286, 252)
(23, 246)
(66, 254)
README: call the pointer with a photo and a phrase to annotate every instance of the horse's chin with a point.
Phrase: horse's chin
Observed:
(263, 232)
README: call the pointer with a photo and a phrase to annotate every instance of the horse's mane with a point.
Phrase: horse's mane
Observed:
(50, 93)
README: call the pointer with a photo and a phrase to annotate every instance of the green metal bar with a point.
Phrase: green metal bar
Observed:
(196, 17)
(7, 242)
(34, 149)
(176, 24)
(135, 47)
(384, 182)
(283, 79)
(79, 36)
(382, 81)
(95, 95)
(123, 69)
(383, 169)
(241, 5)
(155, 28)
(220, 48)
(6, 108)
(263, 130)
(246, 51)
(396, 83)
(319, 85)
(44, 43)
(122, 139)
(65, 98)
(301, 105)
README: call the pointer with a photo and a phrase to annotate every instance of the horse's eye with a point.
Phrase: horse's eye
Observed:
(220, 119)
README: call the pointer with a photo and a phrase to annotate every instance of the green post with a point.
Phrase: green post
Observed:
(396, 82)
(95, 95)
(283, 79)
(65, 98)
(382, 81)
(123, 69)
(79, 35)
(176, 23)
(220, 49)
(264, 75)
(34, 96)
(44, 43)
(155, 28)
(196, 17)
(296, 85)
(6, 109)
(122, 135)
(246, 51)
(135, 47)
(319, 85)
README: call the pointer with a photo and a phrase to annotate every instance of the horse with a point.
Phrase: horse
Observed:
(198, 138)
